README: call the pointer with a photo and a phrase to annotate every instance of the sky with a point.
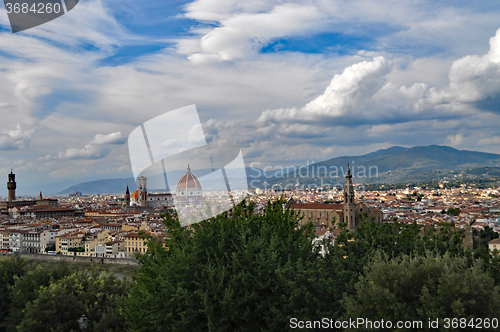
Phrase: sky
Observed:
(288, 81)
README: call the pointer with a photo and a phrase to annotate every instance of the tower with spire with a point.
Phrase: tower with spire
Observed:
(349, 205)
(127, 198)
(11, 186)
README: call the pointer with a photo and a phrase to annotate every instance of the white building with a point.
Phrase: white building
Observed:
(15, 240)
(100, 250)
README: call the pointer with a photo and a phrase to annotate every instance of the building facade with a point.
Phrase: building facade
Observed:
(31, 242)
(349, 212)
(134, 243)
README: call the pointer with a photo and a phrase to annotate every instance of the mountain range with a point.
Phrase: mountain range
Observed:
(398, 165)
(393, 165)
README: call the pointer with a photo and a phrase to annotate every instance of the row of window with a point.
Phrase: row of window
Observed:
(191, 193)
(131, 243)
(136, 249)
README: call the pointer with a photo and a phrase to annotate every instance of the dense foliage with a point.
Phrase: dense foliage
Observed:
(423, 288)
(52, 297)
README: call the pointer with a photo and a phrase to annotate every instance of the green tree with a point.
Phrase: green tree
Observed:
(452, 211)
(423, 287)
(10, 269)
(238, 271)
(59, 305)
(482, 237)
(352, 251)
(50, 247)
(25, 288)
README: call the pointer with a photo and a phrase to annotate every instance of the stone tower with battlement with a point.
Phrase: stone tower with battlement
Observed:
(11, 186)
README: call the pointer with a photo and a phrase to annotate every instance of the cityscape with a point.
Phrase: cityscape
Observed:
(108, 226)
(244, 166)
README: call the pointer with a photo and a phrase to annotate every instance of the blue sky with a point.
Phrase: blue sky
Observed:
(289, 81)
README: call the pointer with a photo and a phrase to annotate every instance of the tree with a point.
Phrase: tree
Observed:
(423, 287)
(50, 247)
(484, 236)
(10, 269)
(347, 259)
(60, 304)
(452, 211)
(26, 288)
(238, 271)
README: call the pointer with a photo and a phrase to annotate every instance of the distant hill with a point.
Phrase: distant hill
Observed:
(394, 165)
(118, 186)
(106, 186)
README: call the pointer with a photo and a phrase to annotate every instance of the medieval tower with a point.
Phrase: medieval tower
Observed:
(11, 186)
(127, 198)
(143, 190)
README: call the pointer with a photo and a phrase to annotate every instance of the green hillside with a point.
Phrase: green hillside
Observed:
(399, 164)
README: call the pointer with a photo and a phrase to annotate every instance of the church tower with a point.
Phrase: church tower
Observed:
(143, 190)
(127, 198)
(349, 206)
(11, 186)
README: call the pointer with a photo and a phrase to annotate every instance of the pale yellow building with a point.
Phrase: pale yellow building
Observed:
(68, 241)
(134, 243)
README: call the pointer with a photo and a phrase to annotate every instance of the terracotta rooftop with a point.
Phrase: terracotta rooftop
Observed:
(495, 241)
(317, 206)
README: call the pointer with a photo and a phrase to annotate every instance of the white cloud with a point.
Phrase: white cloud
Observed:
(88, 152)
(493, 140)
(473, 80)
(113, 138)
(15, 139)
(242, 35)
(345, 94)
(456, 139)
(90, 22)
(216, 10)
(98, 148)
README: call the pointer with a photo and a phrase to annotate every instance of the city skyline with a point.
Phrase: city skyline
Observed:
(287, 82)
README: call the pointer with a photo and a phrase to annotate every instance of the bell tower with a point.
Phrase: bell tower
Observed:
(143, 190)
(349, 206)
(127, 198)
(11, 186)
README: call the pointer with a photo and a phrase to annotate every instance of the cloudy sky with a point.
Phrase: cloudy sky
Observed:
(288, 81)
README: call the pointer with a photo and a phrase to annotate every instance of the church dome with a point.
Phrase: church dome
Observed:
(135, 195)
(188, 181)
